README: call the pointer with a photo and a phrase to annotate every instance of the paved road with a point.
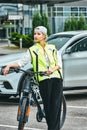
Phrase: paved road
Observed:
(8, 114)
(76, 118)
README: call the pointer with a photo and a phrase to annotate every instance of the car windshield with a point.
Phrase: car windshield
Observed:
(59, 41)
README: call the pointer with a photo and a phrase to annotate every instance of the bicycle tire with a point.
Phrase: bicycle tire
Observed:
(40, 116)
(63, 112)
(22, 115)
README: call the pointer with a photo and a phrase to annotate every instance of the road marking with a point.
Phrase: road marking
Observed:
(78, 117)
(26, 128)
(80, 107)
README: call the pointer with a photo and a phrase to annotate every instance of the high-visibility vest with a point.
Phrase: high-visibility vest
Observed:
(43, 59)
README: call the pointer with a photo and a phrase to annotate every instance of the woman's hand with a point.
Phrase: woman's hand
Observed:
(6, 70)
(48, 72)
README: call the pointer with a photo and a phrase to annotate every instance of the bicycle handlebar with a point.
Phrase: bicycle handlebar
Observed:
(17, 70)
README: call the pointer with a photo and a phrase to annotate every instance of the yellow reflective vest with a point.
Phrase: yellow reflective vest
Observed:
(43, 59)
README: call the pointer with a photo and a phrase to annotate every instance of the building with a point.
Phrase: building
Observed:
(9, 19)
(18, 17)
(58, 13)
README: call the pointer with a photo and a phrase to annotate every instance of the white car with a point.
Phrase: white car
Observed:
(73, 49)
(72, 46)
(11, 84)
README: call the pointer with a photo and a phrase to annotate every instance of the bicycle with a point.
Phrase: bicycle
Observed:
(25, 99)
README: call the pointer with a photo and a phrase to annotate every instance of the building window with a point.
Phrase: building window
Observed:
(60, 9)
(54, 9)
(82, 10)
(66, 12)
(26, 31)
(74, 11)
(57, 11)
(49, 11)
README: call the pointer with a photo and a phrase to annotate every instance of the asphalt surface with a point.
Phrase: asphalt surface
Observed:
(76, 118)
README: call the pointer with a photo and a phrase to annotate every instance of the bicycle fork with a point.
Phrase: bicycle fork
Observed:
(24, 96)
(27, 111)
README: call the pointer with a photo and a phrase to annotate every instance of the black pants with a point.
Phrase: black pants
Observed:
(51, 93)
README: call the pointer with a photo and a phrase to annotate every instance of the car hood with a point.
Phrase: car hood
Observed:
(10, 58)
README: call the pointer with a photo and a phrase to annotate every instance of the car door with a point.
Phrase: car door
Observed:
(75, 65)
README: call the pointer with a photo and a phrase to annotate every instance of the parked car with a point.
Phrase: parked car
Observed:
(11, 84)
(72, 46)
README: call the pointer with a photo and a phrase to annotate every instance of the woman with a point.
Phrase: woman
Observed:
(44, 58)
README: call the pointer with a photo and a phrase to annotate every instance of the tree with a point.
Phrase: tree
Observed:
(27, 41)
(75, 24)
(82, 23)
(36, 20)
(40, 20)
(44, 22)
(67, 25)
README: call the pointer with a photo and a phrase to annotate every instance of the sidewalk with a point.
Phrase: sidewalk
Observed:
(5, 48)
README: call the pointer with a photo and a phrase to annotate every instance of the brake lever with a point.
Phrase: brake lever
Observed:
(42, 73)
(12, 69)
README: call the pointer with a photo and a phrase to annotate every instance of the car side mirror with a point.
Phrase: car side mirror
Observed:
(68, 50)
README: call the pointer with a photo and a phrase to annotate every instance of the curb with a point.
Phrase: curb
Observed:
(4, 50)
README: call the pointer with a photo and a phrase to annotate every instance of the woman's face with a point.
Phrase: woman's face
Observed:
(39, 36)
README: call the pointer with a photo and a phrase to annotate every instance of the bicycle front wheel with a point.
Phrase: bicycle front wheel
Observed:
(22, 114)
(63, 111)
